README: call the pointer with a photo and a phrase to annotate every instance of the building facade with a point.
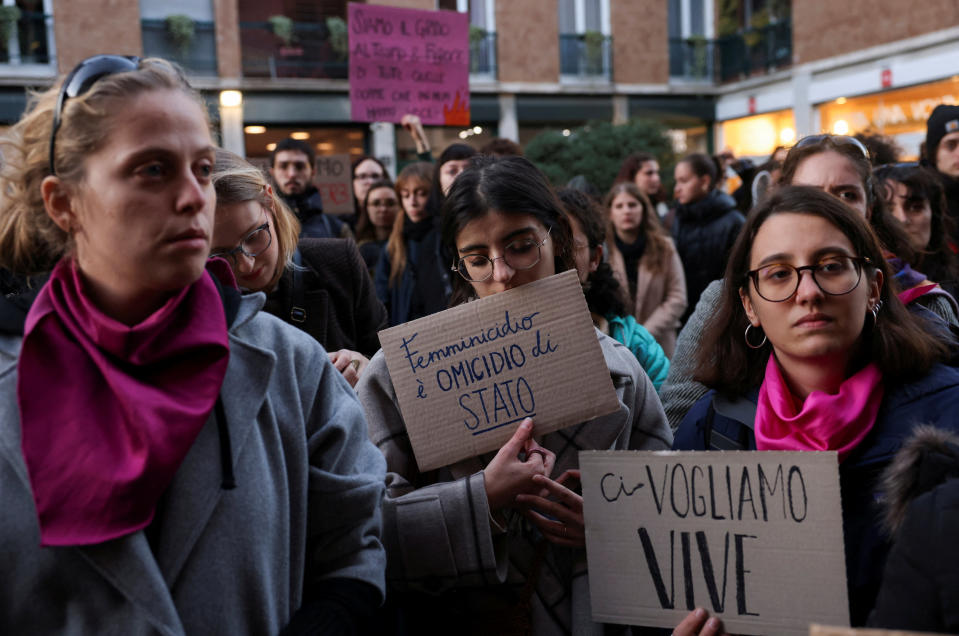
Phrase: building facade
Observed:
(747, 74)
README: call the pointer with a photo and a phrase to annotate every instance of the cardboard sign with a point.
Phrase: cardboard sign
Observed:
(754, 537)
(466, 377)
(335, 182)
(409, 61)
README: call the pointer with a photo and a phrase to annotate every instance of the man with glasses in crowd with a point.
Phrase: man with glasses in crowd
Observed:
(292, 167)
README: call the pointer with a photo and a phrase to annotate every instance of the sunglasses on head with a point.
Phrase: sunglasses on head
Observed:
(843, 140)
(81, 78)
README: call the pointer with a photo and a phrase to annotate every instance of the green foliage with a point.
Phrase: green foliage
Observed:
(9, 15)
(180, 29)
(282, 28)
(339, 39)
(728, 17)
(597, 150)
(593, 41)
(476, 34)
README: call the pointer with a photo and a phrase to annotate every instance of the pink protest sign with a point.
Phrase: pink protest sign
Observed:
(409, 61)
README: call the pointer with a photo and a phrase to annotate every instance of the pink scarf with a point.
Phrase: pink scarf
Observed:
(108, 412)
(823, 422)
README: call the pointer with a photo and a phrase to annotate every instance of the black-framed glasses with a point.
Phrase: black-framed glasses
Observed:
(520, 254)
(252, 245)
(840, 139)
(835, 275)
(81, 78)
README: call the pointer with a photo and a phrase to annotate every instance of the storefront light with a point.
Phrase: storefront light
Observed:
(567, 132)
(301, 135)
(787, 136)
(271, 147)
(477, 130)
(231, 99)
(254, 130)
(841, 101)
(841, 127)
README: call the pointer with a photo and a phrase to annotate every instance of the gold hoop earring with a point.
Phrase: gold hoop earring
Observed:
(751, 345)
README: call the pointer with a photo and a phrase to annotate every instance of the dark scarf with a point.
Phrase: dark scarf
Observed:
(632, 253)
(418, 230)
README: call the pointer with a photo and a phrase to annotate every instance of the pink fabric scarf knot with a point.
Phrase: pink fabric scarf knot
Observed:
(823, 422)
(107, 411)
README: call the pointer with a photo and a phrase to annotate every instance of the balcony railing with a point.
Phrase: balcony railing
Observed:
(483, 54)
(585, 55)
(692, 59)
(306, 52)
(755, 51)
(197, 55)
(732, 57)
(28, 43)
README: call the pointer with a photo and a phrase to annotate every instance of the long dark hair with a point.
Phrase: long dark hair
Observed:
(937, 259)
(898, 344)
(657, 241)
(892, 235)
(365, 230)
(511, 186)
(604, 295)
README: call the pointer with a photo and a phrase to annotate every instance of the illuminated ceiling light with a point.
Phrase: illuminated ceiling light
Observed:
(841, 127)
(463, 134)
(324, 145)
(354, 135)
(841, 101)
(567, 132)
(356, 151)
(477, 129)
(271, 147)
(254, 130)
(787, 136)
(230, 99)
(301, 134)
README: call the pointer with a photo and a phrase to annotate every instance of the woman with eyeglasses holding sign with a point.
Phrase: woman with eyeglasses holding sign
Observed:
(811, 349)
(318, 285)
(494, 544)
(172, 460)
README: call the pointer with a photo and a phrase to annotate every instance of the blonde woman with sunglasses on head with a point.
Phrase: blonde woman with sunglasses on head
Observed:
(172, 460)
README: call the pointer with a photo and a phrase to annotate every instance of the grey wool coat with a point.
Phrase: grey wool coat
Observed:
(439, 536)
(306, 507)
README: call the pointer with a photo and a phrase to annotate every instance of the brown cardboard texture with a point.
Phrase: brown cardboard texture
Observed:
(466, 377)
(754, 537)
(334, 180)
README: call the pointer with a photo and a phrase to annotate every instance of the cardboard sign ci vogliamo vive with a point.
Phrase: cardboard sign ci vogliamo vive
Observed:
(755, 537)
(466, 377)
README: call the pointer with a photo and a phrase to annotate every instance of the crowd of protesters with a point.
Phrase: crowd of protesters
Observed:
(201, 434)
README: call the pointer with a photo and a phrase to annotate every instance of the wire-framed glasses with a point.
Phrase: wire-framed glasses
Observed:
(520, 254)
(81, 78)
(835, 275)
(252, 245)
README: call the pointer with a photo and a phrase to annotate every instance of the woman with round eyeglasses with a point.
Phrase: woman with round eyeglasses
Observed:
(839, 166)
(494, 544)
(810, 349)
(169, 455)
(321, 286)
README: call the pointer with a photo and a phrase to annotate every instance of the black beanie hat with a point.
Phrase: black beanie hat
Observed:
(943, 120)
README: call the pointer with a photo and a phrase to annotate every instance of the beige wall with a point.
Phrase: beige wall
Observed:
(527, 40)
(640, 41)
(229, 60)
(823, 28)
(87, 27)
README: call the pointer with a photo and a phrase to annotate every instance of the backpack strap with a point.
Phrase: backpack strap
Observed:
(741, 410)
